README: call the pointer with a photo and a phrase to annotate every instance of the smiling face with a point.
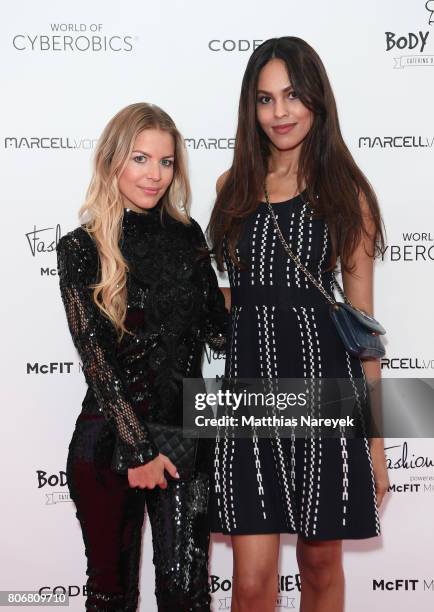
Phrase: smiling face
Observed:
(281, 115)
(149, 170)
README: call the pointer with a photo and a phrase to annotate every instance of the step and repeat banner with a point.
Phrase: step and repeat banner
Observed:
(66, 69)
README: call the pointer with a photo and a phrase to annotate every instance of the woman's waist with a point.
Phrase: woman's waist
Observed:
(278, 296)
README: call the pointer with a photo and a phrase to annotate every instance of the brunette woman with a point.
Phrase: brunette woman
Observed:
(290, 152)
(141, 300)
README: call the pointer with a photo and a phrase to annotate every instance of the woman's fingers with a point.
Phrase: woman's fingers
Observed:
(163, 483)
(151, 475)
(168, 465)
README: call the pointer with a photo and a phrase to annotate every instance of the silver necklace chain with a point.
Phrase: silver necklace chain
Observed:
(295, 258)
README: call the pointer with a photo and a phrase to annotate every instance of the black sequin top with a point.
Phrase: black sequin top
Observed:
(174, 307)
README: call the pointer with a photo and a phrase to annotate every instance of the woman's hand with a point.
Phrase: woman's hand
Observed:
(151, 474)
(381, 476)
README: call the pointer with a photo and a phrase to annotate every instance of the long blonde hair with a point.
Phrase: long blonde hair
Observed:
(103, 209)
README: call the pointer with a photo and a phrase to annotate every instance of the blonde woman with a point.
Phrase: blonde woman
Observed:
(141, 299)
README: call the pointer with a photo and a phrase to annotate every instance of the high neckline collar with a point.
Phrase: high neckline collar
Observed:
(129, 213)
(132, 219)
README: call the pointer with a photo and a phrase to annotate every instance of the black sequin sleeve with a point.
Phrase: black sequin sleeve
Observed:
(95, 340)
(216, 316)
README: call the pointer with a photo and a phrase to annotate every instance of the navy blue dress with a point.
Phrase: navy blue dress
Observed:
(321, 488)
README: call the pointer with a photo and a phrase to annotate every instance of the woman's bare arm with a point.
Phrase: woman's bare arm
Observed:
(225, 290)
(358, 287)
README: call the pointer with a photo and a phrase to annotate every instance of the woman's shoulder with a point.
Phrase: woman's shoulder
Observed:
(77, 253)
(78, 237)
(221, 180)
(195, 225)
(78, 243)
(198, 233)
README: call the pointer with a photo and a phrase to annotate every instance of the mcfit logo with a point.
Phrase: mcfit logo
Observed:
(403, 584)
(53, 367)
(412, 43)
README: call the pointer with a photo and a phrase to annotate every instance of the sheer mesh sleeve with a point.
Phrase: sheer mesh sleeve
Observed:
(216, 317)
(95, 340)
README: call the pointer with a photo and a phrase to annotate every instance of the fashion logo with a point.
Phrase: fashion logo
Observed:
(413, 42)
(74, 38)
(414, 468)
(398, 458)
(44, 239)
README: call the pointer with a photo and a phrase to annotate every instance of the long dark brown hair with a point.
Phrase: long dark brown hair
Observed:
(334, 183)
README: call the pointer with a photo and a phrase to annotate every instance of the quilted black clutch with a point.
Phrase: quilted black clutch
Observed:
(171, 441)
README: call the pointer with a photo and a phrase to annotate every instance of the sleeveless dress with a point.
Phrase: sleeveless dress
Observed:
(321, 488)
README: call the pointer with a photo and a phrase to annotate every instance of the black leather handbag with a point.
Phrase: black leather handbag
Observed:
(171, 441)
(359, 331)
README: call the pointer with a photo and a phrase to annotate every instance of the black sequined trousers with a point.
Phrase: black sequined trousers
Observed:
(111, 515)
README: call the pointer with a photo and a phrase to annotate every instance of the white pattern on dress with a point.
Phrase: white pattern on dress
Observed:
(305, 376)
(272, 373)
(253, 254)
(312, 400)
(319, 376)
(262, 258)
(289, 263)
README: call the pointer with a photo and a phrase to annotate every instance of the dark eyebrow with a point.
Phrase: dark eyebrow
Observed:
(285, 89)
(144, 153)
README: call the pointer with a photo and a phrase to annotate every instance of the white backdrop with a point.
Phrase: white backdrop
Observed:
(66, 68)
